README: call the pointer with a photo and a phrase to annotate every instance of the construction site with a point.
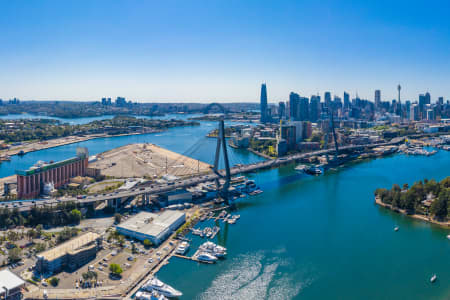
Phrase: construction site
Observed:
(145, 160)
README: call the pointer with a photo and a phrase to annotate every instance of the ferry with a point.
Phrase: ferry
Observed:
(206, 257)
(140, 295)
(157, 285)
(182, 248)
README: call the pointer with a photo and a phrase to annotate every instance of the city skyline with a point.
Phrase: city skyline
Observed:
(178, 52)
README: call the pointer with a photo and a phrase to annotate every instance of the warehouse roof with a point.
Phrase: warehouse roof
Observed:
(151, 224)
(9, 280)
(69, 246)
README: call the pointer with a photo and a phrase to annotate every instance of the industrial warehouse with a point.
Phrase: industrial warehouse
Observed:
(71, 254)
(155, 228)
(30, 183)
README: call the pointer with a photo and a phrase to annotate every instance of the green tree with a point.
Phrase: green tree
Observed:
(115, 269)
(147, 243)
(14, 255)
(117, 218)
(439, 206)
(75, 216)
(54, 281)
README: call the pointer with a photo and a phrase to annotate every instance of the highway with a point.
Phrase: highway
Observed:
(183, 183)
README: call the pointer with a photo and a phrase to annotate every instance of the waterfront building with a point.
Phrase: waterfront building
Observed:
(264, 117)
(155, 228)
(11, 285)
(70, 255)
(288, 133)
(177, 196)
(282, 147)
(30, 182)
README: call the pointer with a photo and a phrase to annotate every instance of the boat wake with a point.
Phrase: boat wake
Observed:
(257, 276)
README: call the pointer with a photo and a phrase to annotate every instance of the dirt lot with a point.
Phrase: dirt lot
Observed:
(140, 160)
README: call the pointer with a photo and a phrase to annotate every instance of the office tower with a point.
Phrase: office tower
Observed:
(414, 112)
(264, 117)
(408, 109)
(121, 102)
(304, 109)
(346, 101)
(294, 103)
(327, 99)
(281, 110)
(314, 108)
(377, 99)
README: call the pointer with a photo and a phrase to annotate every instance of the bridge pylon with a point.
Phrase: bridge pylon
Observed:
(221, 143)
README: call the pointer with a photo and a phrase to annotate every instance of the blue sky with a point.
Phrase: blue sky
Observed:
(222, 50)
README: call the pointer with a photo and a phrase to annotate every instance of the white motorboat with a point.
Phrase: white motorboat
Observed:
(448, 236)
(206, 257)
(182, 248)
(157, 285)
(433, 278)
(147, 296)
(396, 228)
(213, 249)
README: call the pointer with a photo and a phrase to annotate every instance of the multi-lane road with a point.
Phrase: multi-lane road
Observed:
(183, 183)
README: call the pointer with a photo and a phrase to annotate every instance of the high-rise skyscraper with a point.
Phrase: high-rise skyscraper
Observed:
(294, 106)
(377, 99)
(304, 109)
(327, 99)
(346, 101)
(314, 108)
(281, 110)
(264, 117)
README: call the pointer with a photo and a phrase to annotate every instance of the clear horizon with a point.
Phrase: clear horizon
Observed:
(222, 51)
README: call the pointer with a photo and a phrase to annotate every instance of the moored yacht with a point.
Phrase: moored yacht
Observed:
(213, 249)
(157, 285)
(147, 296)
(182, 248)
(206, 257)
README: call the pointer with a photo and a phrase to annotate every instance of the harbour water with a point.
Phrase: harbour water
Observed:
(177, 139)
(323, 238)
(306, 237)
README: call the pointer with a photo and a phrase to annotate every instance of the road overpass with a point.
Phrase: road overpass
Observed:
(119, 197)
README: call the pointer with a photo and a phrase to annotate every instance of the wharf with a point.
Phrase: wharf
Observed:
(193, 258)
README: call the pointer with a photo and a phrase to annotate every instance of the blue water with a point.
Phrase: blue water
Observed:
(323, 238)
(85, 120)
(306, 237)
(176, 139)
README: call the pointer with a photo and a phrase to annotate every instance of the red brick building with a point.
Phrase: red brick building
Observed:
(31, 181)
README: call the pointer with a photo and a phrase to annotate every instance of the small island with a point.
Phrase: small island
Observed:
(428, 200)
